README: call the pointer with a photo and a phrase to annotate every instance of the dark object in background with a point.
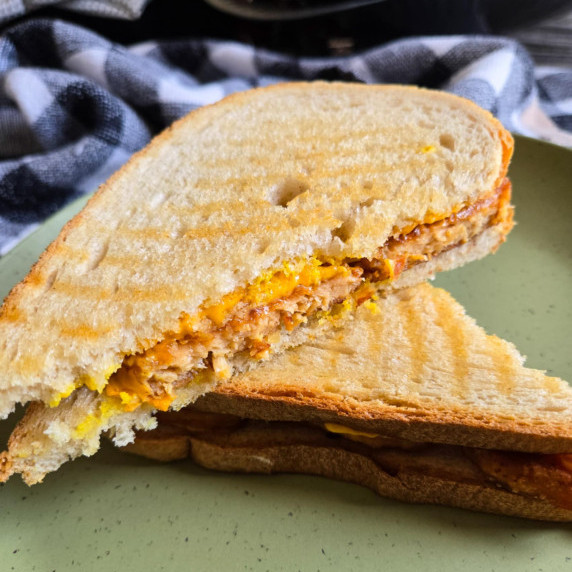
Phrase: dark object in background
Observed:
(275, 10)
(335, 33)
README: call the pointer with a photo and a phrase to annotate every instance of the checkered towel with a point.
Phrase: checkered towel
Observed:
(74, 106)
(123, 9)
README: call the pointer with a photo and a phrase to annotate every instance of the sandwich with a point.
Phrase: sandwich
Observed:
(413, 400)
(237, 233)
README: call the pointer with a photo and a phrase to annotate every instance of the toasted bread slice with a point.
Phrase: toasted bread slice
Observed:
(278, 203)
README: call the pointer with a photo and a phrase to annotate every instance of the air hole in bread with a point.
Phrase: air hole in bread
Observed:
(180, 230)
(157, 200)
(448, 141)
(367, 202)
(286, 191)
(293, 222)
(50, 280)
(345, 231)
(97, 255)
(367, 185)
(263, 245)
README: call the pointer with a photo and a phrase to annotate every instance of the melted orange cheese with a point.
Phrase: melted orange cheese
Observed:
(217, 313)
(269, 288)
(343, 430)
(130, 384)
(131, 388)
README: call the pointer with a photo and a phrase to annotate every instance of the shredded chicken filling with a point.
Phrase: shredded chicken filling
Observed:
(251, 319)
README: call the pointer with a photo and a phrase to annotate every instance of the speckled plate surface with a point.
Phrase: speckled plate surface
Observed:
(118, 512)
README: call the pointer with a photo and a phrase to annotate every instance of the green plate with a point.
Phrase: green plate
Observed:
(118, 512)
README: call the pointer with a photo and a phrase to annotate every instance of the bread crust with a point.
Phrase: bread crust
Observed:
(407, 422)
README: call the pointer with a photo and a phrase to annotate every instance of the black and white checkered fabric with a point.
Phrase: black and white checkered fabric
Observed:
(74, 106)
(124, 9)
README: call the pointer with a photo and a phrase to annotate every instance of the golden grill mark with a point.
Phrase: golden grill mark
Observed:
(265, 179)
(86, 331)
(504, 367)
(314, 145)
(215, 207)
(415, 335)
(456, 341)
(129, 293)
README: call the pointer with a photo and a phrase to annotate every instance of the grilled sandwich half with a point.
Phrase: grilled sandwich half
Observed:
(239, 232)
(411, 399)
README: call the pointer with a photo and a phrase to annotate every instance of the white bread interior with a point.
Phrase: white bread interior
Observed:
(223, 195)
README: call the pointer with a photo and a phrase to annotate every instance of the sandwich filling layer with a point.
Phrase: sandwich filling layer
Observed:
(248, 322)
(537, 476)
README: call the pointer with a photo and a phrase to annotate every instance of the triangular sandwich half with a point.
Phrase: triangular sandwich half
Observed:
(232, 234)
(413, 400)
